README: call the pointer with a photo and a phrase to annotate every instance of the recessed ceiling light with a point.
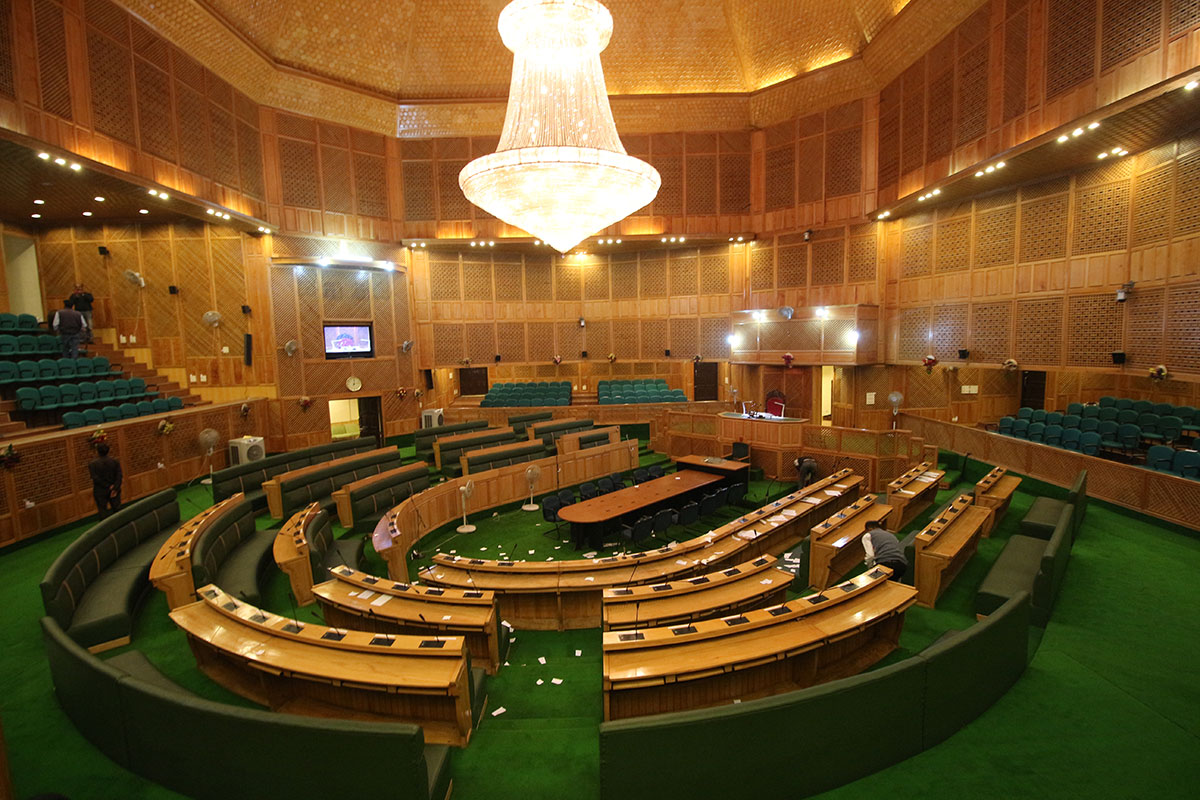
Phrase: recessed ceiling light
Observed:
(491, 244)
(1093, 125)
(60, 161)
(44, 156)
(936, 191)
(979, 174)
(1077, 132)
(75, 167)
(618, 241)
(1190, 85)
(87, 213)
(163, 195)
(39, 202)
(664, 239)
(999, 165)
(224, 216)
(1062, 138)
(153, 192)
(989, 168)
(1115, 150)
(472, 244)
(1102, 155)
(739, 238)
(209, 211)
(143, 211)
(921, 199)
(36, 216)
(422, 244)
(98, 199)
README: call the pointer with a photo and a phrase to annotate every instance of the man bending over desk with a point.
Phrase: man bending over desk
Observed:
(883, 548)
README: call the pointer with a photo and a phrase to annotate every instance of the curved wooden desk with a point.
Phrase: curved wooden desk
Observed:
(361, 601)
(589, 518)
(171, 570)
(551, 595)
(912, 493)
(738, 588)
(835, 546)
(814, 639)
(291, 552)
(995, 491)
(314, 670)
(946, 545)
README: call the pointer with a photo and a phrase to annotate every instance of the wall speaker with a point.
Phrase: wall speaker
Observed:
(102, 250)
(497, 358)
(1118, 357)
(172, 289)
(245, 309)
(962, 354)
(248, 350)
(583, 354)
(667, 353)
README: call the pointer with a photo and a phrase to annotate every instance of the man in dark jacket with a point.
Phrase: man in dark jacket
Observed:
(70, 326)
(806, 471)
(106, 481)
(82, 301)
(883, 548)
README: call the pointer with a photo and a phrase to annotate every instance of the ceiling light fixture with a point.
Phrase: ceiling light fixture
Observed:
(979, 174)
(1102, 155)
(153, 192)
(60, 161)
(1190, 85)
(1062, 138)
(999, 165)
(75, 167)
(98, 199)
(560, 171)
(1077, 132)
(36, 216)
(39, 202)
(1093, 125)
(87, 213)
(44, 156)
(143, 211)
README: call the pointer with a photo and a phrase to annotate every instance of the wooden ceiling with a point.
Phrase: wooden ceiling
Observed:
(450, 49)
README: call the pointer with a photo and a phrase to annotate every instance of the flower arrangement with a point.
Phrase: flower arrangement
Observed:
(466, 362)
(1010, 364)
(402, 393)
(612, 357)
(1159, 373)
(165, 427)
(98, 436)
(557, 360)
(788, 358)
(305, 403)
(10, 457)
(929, 362)
(418, 393)
(696, 359)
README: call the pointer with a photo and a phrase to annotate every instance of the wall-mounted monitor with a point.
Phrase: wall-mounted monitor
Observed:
(349, 341)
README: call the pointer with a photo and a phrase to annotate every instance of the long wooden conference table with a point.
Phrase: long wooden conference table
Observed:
(590, 519)
(315, 670)
(810, 640)
(548, 595)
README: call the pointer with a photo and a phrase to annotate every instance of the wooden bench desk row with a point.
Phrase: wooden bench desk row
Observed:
(835, 546)
(291, 551)
(171, 570)
(738, 588)
(315, 670)
(443, 443)
(822, 637)
(273, 486)
(995, 491)
(568, 594)
(361, 601)
(946, 545)
(912, 493)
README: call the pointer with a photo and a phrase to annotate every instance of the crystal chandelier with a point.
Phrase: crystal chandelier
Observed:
(560, 172)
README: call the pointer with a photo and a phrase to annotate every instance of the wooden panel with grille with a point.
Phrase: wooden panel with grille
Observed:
(1144, 325)
(625, 338)
(447, 343)
(991, 325)
(1016, 62)
(1044, 229)
(568, 280)
(735, 183)
(916, 252)
(700, 176)
(570, 339)
(1187, 199)
(1094, 330)
(669, 199)
(1040, 325)
(110, 78)
(781, 177)
(863, 258)
(418, 190)
(914, 334)
(652, 277)
(792, 265)
(1183, 327)
(949, 330)
(939, 122)
(477, 281)
(336, 189)
(53, 74)
(828, 262)
(7, 84)
(298, 168)
(1071, 44)
(843, 160)
(444, 280)
(685, 339)
(953, 244)
(1152, 205)
(1128, 27)
(1101, 218)
(595, 280)
(654, 334)
(683, 277)
(971, 92)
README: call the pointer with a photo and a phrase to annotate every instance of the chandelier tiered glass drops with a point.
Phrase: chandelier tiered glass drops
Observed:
(560, 172)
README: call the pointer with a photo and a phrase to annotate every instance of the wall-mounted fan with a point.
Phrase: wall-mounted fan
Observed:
(290, 347)
(786, 312)
(209, 439)
(407, 346)
(135, 278)
(533, 473)
(211, 318)
(464, 492)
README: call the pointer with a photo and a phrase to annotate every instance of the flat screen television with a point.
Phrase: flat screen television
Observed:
(349, 341)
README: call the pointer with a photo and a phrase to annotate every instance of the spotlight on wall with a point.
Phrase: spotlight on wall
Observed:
(582, 322)
(733, 340)
(808, 234)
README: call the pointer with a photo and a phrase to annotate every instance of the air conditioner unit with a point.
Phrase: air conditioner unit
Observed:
(246, 449)
(432, 418)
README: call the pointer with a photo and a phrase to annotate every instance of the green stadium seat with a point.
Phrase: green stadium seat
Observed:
(137, 388)
(66, 368)
(1089, 443)
(70, 395)
(27, 344)
(49, 398)
(1160, 458)
(8, 373)
(83, 366)
(1106, 402)
(1164, 409)
(47, 369)
(121, 389)
(1149, 422)
(73, 419)
(111, 414)
(27, 398)
(27, 322)
(1187, 464)
(87, 392)
(145, 408)
(161, 406)
(1143, 406)
(1070, 439)
(8, 322)
(128, 410)
(176, 403)
(105, 391)
(49, 345)
(93, 416)
(1123, 403)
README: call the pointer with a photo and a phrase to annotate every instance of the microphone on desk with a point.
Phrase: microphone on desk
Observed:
(292, 605)
(435, 635)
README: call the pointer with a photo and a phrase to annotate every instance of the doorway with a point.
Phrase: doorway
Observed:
(370, 418)
(826, 395)
(1033, 389)
(21, 272)
(704, 380)
(473, 380)
(343, 419)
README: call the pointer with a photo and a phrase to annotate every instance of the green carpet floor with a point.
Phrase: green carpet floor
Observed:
(1108, 708)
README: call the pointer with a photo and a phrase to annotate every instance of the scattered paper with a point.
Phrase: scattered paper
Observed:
(530, 552)
(787, 556)
(540, 681)
(354, 594)
(556, 681)
(382, 599)
(482, 549)
(541, 659)
(813, 500)
(452, 552)
(578, 653)
(589, 578)
(789, 512)
(365, 595)
(832, 493)
(590, 555)
(506, 624)
(499, 711)
(445, 616)
(766, 581)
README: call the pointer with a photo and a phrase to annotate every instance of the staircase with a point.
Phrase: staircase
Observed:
(12, 429)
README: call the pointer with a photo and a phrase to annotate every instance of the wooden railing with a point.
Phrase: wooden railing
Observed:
(1155, 493)
(49, 485)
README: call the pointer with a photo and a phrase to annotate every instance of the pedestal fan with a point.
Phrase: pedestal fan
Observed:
(464, 492)
(533, 473)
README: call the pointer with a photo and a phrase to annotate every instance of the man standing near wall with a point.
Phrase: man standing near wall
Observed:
(82, 301)
(106, 481)
(71, 326)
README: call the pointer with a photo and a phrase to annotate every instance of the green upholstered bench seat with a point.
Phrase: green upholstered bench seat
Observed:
(1043, 515)
(135, 663)
(326, 552)
(248, 478)
(1013, 571)
(375, 498)
(437, 768)
(424, 438)
(318, 485)
(92, 589)
(519, 422)
(242, 570)
(478, 694)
